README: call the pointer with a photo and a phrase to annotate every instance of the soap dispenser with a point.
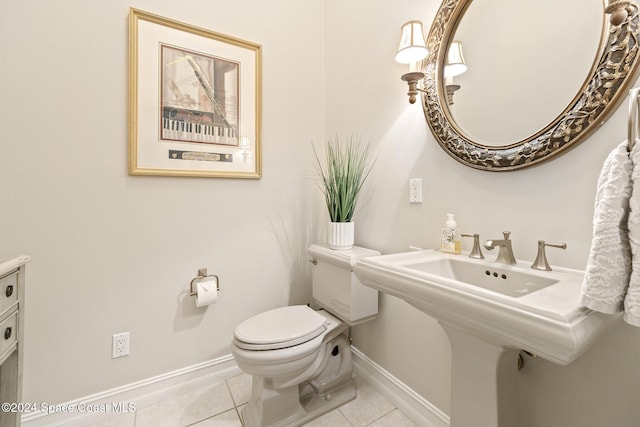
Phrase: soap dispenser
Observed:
(450, 242)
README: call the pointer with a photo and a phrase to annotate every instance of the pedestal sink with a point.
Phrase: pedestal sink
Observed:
(490, 312)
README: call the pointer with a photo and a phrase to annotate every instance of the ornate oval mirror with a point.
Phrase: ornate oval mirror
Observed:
(539, 78)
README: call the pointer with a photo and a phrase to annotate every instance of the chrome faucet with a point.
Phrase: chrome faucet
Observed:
(476, 252)
(541, 262)
(505, 252)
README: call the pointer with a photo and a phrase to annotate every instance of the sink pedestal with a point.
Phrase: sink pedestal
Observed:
(484, 389)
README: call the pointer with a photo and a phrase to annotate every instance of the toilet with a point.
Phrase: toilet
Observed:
(300, 358)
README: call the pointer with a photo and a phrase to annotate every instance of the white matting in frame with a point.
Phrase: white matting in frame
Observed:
(194, 101)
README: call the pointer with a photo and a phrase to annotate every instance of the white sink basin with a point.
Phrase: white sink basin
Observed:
(490, 311)
(514, 306)
(507, 281)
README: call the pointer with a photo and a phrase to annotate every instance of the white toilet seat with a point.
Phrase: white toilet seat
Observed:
(280, 328)
(286, 361)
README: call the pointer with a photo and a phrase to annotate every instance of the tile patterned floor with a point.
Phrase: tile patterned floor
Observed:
(219, 405)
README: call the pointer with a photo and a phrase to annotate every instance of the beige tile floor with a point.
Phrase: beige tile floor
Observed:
(218, 405)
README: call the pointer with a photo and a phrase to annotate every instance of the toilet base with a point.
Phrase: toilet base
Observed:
(331, 386)
(301, 410)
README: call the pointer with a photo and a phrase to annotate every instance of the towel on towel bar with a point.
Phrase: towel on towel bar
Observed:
(632, 299)
(609, 267)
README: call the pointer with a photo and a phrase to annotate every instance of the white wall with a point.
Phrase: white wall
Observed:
(553, 201)
(114, 253)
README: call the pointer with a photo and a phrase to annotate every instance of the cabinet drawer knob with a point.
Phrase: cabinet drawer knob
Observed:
(7, 333)
(9, 291)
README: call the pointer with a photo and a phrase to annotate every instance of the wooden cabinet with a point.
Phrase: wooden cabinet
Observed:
(12, 282)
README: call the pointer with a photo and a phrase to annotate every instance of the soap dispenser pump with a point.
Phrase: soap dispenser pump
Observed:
(450, 242)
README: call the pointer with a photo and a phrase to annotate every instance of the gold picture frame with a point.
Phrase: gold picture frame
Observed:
(195, 101)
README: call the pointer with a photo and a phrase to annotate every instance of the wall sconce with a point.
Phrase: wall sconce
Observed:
(412, 49)
(454, 67)
(619, 10)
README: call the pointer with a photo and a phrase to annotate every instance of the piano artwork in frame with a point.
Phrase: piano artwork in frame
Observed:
(195, 101)
(199, 98)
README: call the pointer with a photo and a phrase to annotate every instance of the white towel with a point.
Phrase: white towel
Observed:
(609, 266)
(632, 299)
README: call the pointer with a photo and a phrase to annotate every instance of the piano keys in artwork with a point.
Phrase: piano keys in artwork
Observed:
(195, 126)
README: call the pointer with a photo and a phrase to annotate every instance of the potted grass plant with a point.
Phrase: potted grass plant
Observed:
(342, 172)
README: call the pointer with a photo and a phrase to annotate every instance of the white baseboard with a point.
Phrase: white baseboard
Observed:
(152, 390)
(139, 394)
(417, 408)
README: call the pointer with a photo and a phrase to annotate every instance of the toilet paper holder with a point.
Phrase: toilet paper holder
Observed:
(202, 273)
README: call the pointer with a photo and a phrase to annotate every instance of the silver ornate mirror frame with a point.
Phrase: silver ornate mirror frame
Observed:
(605, 87)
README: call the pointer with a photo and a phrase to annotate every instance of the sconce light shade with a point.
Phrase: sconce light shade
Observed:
(455, 61)
(412, 46)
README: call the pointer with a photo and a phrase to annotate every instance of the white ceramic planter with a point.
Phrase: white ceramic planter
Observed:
(341, 235)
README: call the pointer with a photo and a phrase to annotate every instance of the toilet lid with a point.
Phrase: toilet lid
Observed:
(280, 327)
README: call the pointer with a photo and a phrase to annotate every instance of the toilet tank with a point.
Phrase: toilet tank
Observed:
(336, 287)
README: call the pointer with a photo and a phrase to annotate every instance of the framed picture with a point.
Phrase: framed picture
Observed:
(194, 101)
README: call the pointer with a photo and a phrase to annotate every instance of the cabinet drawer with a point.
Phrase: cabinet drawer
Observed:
(8, 290)
(8, 332)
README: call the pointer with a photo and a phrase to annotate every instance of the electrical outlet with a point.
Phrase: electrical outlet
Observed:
(415, 190)
(120, 345)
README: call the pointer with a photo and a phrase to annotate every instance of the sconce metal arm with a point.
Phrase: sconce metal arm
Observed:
(412, 80)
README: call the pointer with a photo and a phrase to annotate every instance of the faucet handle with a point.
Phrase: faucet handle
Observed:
(476, 252)
(541, 262)
(506, 234)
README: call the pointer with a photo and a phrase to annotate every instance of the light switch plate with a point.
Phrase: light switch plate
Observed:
(415, 190)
